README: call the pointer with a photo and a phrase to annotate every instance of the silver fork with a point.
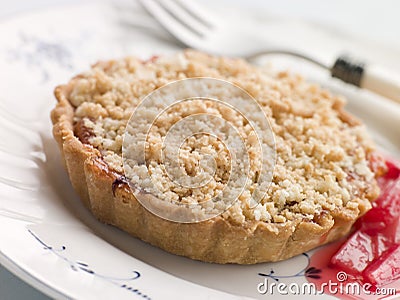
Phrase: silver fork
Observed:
(199, 29)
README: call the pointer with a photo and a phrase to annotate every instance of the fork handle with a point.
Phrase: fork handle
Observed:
(371, 77)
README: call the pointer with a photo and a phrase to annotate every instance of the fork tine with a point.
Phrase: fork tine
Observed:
(181, 32)
(185, 17)
(198, 12)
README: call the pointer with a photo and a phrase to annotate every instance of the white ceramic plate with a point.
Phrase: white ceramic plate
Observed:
(46, 236)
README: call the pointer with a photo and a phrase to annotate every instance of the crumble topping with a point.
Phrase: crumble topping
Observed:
(322, 161)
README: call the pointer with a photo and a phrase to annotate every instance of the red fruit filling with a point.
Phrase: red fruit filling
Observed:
(372, 253)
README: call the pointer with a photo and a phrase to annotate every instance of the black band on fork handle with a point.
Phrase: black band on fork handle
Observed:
(344, 68)
(347, 70)
(376, 79)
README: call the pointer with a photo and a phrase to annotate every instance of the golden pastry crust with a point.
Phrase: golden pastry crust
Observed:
(222, 239)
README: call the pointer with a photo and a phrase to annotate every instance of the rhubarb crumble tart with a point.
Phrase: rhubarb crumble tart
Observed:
(323, 180)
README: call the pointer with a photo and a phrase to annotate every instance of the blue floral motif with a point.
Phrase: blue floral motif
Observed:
(42, 54)
(310, 272)
(83, 267)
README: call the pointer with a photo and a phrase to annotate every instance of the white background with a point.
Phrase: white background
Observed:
(373, 20)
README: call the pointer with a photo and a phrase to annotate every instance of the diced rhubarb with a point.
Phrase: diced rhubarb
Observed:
(386, 209)
(375, 224)
(381, 243)
(382, 222)
(373, 251)
(373, 221)
(393, 169)
(382, 237)
(390, 197)
(393, 173)
(397, 236)
(385, 269)
(355, 254)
